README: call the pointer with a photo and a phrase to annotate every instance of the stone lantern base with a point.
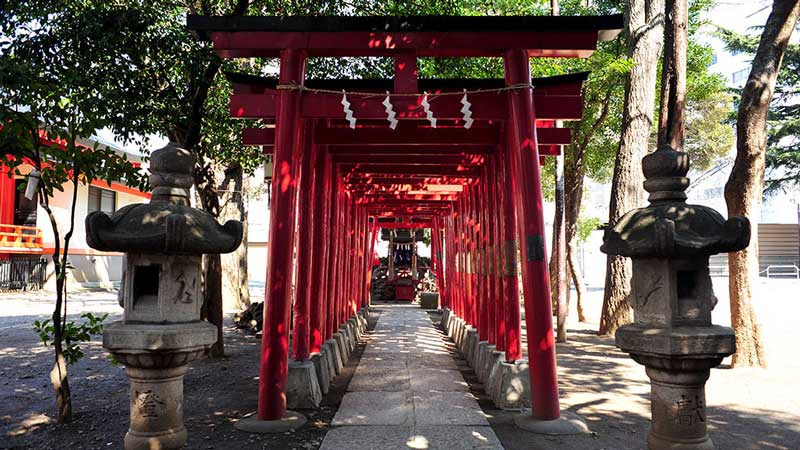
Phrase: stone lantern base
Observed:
(156, 357)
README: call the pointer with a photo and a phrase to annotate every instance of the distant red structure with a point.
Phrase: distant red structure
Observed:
(471, 172)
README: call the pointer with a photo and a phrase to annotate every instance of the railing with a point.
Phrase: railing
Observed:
(22, 273)
(782, 270)
(20, 237)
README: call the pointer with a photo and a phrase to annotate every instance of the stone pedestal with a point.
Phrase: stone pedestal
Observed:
(513, 389)
(477, 357)
(156, 358)
(486, 362)
(323, 369)
(302, 386)
(156, 409)
(332, 351)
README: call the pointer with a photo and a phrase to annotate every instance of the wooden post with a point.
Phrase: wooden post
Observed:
(275, 338)
(305, 231)
(535, 277)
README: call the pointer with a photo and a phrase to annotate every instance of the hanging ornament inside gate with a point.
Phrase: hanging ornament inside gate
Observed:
(427, 108)
(390, 114)
(465, 110)
(348, 113)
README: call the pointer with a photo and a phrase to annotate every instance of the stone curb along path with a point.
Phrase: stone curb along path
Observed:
(407, 393)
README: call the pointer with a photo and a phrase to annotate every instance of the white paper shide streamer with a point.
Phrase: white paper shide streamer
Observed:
(390, 114)
(466, 111)
(427, 108)
(348, 113)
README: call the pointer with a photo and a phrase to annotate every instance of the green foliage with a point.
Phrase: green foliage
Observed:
(51, 79)
(783, 123)
(709, 136)
(73, 334)
(586, 225)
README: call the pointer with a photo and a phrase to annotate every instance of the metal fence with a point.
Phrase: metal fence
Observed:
(22, 274)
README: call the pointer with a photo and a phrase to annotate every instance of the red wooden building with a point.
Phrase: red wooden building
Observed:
(463, 159)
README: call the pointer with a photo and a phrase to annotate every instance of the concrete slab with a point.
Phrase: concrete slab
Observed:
(569, 423)
(454, 437)
(448, 408)
(405, 438)
(385, 379)
(367, 438)
(375, 408)
(436, 379)
(290, 421)
(408, 393)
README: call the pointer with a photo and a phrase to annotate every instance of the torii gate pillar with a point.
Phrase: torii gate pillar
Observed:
(272, 415)
(546, 415)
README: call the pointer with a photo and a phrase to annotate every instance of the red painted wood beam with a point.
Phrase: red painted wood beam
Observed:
(485, 106)
(426, 170)
(399, 159)
(357, 179)
(566, 43)
(404, 225)
(410, 199)
(383, 140)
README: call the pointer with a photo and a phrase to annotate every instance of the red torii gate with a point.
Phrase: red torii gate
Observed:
(348, 179)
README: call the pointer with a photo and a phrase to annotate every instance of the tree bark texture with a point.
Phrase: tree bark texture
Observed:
(212, 298)
(235, 293)
(743, 191)
(205, 181)
(559, 278)
(644, 26)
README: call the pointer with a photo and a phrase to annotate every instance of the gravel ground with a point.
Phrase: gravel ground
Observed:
(747, 408)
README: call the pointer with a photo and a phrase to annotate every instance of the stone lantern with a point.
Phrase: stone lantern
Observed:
(161, 331)
(670, 242)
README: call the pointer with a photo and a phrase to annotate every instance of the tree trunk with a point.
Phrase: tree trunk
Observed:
(205, 181)
(743, 191)
(212, 299)
(559, 252)
(234, 265)
(644, 22)
(60, 382)
(574, 172)
(577, 279)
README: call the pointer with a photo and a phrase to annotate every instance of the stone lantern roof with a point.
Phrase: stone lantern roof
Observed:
(168, 224)
(669, 227)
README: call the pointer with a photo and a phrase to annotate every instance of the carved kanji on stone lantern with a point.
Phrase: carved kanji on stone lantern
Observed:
(161, 332)
(672, 297)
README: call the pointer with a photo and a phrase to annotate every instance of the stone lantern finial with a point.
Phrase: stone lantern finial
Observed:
(665, 175)
(672, 297)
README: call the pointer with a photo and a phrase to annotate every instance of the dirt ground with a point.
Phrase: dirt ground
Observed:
(747, 408)
(216, 391)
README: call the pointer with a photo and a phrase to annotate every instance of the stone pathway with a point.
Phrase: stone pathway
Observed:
(408, 394)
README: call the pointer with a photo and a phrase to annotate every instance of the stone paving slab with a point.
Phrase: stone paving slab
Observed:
(375, 408)
(388, 379)
(405, 438)
(407, 393)
(436, 379)
(448, 408)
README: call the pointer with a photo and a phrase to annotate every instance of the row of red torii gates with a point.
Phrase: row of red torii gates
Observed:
(476, 185)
